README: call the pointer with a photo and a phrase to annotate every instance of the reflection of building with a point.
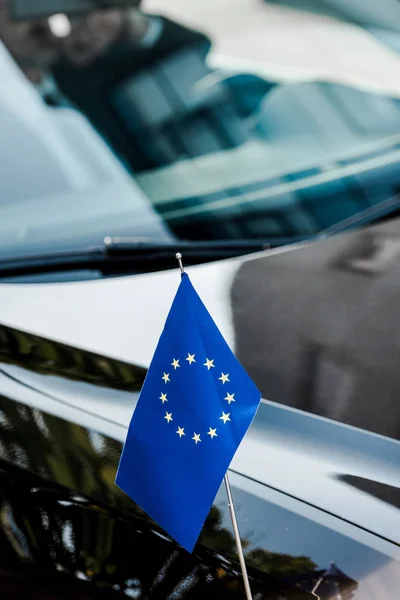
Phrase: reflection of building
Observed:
(329, 584)
(383, 14)
(316, 327)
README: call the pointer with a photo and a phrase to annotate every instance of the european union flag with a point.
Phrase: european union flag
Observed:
(195, 407)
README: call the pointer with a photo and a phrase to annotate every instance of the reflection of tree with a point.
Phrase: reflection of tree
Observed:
(280, 564)
(52, 358)
(221, 540)
(85, 542)
(84, 537)
(62, 452)
(217, 537)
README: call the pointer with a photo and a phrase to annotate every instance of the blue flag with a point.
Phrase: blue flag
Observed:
(195, 407)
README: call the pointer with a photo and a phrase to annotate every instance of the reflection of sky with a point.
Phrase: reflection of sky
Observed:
(271, 527)
(67, 537)
(303, 455)
(115, 405)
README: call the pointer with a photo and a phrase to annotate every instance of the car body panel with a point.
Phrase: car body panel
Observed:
(280, 313)
(62, 514)
(301, 481)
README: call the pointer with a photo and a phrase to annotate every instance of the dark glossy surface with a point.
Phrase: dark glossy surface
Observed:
(46, 357)
(67, 546)
(68, 532)
(88, 530)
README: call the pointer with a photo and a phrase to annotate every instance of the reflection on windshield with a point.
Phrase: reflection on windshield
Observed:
(144, 136)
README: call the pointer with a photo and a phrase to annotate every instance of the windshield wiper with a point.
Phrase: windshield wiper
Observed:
(146, 246)
(130, 255)
(127, 255)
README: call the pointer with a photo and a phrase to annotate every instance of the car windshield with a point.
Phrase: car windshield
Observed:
(147, 119)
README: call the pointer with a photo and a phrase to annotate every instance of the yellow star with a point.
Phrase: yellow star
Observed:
(209, 363)
(181, 431)
(163, 398)
(224, 378)
(196, 438)
(212, 433)
(168, 417)
(190, 358)
(230, 398)
(175, 364)
(225, 417)
(166, 377)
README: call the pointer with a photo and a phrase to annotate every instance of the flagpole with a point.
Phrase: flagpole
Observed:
(239, 546)
(231, 505)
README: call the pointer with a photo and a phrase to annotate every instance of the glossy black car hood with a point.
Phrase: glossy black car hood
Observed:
(65, 525)
(314, 325)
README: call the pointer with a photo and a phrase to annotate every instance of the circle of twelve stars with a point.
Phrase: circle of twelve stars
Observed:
(209, 364)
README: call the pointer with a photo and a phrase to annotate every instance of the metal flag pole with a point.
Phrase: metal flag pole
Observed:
(239, 546)
(231, 505)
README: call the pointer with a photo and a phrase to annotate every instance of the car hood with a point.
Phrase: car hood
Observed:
(118, 317)
(313, 325)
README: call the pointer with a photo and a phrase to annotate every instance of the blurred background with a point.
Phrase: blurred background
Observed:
(338, 40)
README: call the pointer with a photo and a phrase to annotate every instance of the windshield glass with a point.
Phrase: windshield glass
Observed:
(234, 120)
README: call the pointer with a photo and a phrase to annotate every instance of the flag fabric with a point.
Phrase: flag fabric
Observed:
(194, 409)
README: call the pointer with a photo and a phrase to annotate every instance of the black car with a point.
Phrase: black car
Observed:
(310, 309)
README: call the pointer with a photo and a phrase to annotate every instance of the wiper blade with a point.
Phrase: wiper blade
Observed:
(37, 259)
(127, 255)
(118, 245)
